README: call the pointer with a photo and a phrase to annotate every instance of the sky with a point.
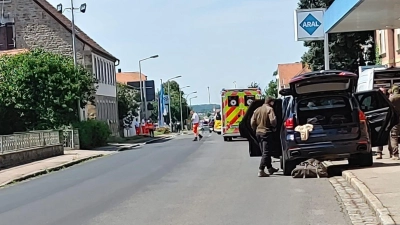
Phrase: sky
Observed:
(210, 43)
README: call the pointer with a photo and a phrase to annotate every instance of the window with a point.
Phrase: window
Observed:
(331, 102)
(95, 67)
(382, 42)
(7, 37)
(371, 101)
(107, 73)
(398, 38)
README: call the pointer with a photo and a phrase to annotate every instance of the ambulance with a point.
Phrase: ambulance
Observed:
(234, 104)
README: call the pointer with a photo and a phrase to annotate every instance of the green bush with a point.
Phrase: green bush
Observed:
(93, 133)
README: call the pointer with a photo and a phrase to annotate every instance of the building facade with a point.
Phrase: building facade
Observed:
(287, 71)
(388, 46)
(38, 24)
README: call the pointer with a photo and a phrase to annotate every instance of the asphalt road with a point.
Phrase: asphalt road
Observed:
(177, 182)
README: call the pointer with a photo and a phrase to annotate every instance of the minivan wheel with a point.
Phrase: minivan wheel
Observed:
(364, 160)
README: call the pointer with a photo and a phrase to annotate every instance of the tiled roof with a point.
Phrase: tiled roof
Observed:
(288, 70)
(125, 77)
(64, 21)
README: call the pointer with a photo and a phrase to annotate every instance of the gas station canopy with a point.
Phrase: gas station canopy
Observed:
(362, 15)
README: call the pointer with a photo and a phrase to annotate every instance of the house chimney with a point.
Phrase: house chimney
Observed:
(119, 70)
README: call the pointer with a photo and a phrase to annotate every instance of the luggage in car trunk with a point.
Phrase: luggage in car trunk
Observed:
(332, 117)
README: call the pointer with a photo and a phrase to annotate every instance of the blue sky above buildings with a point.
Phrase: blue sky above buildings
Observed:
(209, 42)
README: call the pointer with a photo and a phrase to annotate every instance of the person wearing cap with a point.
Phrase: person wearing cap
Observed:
(394, 133)
(380, 148)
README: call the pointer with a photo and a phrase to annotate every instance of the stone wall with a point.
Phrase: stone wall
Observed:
(26, 156)
(35, 28)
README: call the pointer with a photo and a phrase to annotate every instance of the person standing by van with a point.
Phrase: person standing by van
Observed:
(263, 123)
(380, 148)
(394, 133)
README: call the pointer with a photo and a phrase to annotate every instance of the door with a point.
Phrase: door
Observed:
(276, 147)
(380, 113)
(247, 132)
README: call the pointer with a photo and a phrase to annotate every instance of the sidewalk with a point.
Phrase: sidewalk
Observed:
(379, 185)
(26, 171)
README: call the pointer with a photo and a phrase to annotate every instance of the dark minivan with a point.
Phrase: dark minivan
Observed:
(346, 124)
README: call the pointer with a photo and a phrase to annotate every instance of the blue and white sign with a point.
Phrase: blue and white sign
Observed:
(309, 24)
(166, 100)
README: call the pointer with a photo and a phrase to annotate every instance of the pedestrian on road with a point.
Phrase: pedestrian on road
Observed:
(380, 148)
(394, 133)
(137, 126)
(263, 123)
(195, 124)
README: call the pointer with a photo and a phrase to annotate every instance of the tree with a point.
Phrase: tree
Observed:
(128, 104)
(345, 48)
(175, 103)
(41, 90)
(254, 85)
(272, 89)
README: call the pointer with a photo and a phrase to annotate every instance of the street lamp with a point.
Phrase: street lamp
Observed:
(209, 98)
(180, 103)
(169, 101)
(82, 9)
(190, 100)
(186, 98)
(142, 86)
(234, 82)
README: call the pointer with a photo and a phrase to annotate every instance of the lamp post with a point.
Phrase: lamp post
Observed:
(186, 98)
(82, 9)
(190, 100)
(169, 101)
(180, 103)
(209, 98)
(234, 82)
(142, 86)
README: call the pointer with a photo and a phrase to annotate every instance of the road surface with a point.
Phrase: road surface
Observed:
(176, 182)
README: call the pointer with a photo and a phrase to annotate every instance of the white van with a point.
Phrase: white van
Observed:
(376, 77)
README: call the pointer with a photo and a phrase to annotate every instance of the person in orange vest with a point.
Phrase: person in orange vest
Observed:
(150, 127)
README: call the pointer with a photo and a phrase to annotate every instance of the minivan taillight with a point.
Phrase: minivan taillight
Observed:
(289, 123)
(361, 115)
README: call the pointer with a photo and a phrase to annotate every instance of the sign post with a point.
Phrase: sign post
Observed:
(309, 26)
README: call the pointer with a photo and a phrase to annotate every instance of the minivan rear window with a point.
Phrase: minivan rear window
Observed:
(320, 87)
(328, 102)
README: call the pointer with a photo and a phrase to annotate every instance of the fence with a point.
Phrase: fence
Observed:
(26, 140)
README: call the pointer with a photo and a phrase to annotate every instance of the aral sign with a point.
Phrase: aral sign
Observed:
(309, 24)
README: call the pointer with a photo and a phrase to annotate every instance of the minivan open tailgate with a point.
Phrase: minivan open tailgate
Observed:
(329, 133)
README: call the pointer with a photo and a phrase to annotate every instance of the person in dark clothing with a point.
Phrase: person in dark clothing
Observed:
(395, 132)
(263, 122)
(380, 148)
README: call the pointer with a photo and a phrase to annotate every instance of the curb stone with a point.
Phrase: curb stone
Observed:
(49, 170)
(381, 212)
(121, 149)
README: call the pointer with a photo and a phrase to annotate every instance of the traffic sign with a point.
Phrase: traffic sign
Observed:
(309, 24)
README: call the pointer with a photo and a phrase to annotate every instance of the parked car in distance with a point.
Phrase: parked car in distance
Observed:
(346, 124)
